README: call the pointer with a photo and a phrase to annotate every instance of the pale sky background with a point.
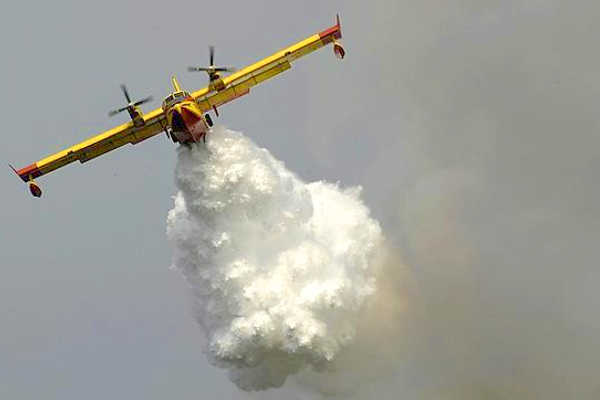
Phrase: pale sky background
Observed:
(471, 125)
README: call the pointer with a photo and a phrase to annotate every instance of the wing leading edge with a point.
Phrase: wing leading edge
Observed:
(96, 145)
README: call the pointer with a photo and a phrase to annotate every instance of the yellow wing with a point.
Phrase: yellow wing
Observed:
(97, 145)
(239, 83)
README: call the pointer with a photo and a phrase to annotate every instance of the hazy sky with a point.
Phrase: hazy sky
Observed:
(472, 126)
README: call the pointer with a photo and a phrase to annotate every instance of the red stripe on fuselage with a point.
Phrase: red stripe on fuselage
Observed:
(194, 124)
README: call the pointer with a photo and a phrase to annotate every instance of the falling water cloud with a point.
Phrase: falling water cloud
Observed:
(279, 269)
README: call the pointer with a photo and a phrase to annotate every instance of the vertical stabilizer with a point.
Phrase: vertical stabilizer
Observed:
(176, 86)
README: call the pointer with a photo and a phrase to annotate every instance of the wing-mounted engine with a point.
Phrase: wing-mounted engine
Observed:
(214, 72)
(132, 107)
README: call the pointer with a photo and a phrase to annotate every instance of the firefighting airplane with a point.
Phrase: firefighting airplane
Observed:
(182, 115)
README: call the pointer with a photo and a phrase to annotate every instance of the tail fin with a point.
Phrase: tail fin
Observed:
(176, 86)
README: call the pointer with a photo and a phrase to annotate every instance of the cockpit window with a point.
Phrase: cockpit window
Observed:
(174, 98)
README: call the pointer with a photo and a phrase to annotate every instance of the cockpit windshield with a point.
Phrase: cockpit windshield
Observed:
(174, 98)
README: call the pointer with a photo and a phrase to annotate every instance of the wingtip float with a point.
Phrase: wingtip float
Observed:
(27, 174)
(183, 116)
(331, 35)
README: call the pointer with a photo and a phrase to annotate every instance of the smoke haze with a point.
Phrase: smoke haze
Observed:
(486, 186)
(482, 173)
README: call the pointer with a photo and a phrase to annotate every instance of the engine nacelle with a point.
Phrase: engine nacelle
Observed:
(136, 116)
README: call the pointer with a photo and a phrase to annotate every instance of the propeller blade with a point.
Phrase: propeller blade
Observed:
(211, 50)
(225, 69)
(115, 112)
(194, 69)
(124, 89)
(143, 101)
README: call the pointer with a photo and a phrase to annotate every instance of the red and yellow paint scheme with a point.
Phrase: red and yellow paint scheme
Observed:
(182, 115)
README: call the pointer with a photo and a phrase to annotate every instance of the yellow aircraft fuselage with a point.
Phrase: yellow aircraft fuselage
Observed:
(187, 122)
(184, 116)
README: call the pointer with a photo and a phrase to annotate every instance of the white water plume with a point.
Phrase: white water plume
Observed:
(279, 268)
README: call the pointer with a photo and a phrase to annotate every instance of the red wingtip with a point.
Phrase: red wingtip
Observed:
(334, 32)
(24, 178)
(29, 172)
(33, 187)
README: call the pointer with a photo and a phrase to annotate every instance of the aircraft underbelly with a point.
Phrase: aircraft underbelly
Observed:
(188, 126)
(195, 125)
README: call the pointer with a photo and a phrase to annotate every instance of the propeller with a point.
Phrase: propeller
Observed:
(212, 69)
(130, 104)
